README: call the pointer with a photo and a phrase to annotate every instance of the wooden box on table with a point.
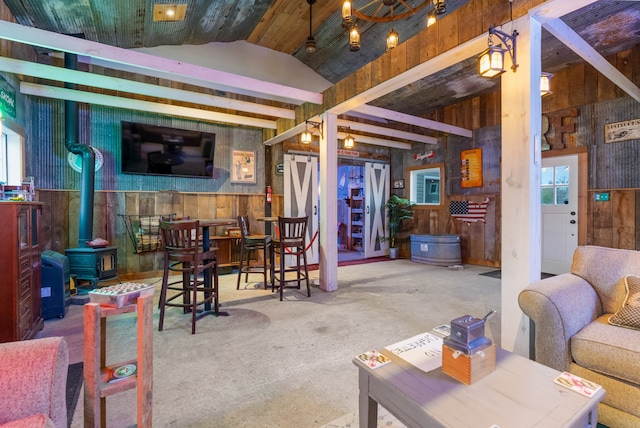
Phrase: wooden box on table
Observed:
(468, 368)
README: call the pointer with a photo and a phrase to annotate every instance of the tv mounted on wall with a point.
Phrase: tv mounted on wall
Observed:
(158, 150)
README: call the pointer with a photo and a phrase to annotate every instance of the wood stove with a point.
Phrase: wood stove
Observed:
(93, 264)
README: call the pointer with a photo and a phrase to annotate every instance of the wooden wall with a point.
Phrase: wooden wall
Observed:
(583, 101)
(60, 219)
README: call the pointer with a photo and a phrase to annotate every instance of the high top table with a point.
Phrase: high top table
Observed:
(519, 393)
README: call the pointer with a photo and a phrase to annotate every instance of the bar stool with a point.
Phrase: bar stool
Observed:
(292, 241)
(183, 253)
(248, 243)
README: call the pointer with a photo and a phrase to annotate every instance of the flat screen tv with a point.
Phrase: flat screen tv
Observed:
(158, 150)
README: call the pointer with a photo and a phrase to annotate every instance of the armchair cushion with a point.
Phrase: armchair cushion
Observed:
(603, 268)
(608, 349)
(35, 421)
(33, 379)
(629, 314)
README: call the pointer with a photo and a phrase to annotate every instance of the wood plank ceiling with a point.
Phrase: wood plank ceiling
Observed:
(283, 25)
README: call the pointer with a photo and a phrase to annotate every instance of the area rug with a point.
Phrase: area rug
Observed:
(355, 262)
(498, 274)
(74, 385)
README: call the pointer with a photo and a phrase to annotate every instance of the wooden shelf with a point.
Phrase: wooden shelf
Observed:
(356, 205)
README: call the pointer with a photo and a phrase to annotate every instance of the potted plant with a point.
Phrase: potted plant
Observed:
(398, 209)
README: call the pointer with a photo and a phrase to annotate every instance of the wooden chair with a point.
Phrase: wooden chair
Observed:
(183, 253)
(292, 241)
(249, 243)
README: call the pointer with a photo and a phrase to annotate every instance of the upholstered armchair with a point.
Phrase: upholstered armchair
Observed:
(33, 382)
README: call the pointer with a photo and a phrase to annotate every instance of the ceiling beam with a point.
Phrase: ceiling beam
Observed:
(123, 85)
(571, 39)
(412, 120)
(387, 132)
(144, 63)
(553, 9)
(290, 133)
(367, 139)
(446, 59)
(146, 106)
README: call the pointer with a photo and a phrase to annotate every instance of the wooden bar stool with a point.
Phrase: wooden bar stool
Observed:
(183, 253)
(292, 241)
(249, 243)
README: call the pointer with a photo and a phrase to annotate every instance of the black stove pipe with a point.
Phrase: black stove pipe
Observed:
(87, 178)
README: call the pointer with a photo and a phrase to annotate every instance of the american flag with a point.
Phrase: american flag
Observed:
(468, 212)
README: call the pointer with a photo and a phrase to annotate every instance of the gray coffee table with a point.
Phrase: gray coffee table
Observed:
(519, 393)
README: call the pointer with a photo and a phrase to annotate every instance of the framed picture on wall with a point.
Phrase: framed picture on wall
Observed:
(243, 166)
(398, 184)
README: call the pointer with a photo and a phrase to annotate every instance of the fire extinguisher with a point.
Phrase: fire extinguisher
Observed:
(268, 194)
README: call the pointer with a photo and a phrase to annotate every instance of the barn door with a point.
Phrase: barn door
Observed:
(376, 188)
(301, 197)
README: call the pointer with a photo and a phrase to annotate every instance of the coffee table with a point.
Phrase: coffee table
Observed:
(519, 393)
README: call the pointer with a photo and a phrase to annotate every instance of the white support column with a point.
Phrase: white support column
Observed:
(328, 203)
(520, 182)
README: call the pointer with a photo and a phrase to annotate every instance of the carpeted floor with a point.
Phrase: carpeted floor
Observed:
(74, 386)
(273, 364)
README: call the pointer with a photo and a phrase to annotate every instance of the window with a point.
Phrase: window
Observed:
(11, 157)
(555, 185)
(425, 184)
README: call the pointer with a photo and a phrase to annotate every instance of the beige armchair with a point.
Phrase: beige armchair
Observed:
(33, 382)
(571, 314)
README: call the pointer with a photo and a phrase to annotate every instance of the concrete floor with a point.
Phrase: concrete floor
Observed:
(284, 364)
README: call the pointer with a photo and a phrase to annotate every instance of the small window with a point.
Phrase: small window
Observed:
(425, 184)
(11, 157)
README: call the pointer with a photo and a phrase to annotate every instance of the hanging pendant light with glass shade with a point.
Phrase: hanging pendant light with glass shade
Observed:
(310, 45)
(349, 142)
(354, 38)
(305, 137)
(347, 18)
(392, 39)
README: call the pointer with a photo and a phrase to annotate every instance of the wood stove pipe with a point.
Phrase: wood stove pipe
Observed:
(87, 178)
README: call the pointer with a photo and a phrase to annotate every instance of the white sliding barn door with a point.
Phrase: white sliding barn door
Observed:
(301, 197)
(376, 188)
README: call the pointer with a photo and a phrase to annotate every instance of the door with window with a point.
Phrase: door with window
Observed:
(301, 197)
(559, 201)
(376, 187)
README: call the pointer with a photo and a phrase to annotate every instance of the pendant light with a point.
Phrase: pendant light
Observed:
(349, 142)
(311, 42)
(392, 39)
(354, 38)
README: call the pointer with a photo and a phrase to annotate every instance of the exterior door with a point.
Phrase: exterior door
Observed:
(559, 187)
(376, 189)
(301, 197)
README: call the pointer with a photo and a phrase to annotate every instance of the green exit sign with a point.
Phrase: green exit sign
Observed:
(601, 196)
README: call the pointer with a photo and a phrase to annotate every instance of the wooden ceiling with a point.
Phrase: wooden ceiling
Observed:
(283, 25)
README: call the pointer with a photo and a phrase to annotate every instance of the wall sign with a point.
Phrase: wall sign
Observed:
(7, 98)
(280, 169)
(622, 131)
(243, 167)
(471, 168)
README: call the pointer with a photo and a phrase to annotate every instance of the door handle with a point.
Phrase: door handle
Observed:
(315, 210)
(367, 209)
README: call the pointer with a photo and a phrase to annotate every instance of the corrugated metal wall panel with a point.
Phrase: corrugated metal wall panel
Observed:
(100, 127)
(611, 165)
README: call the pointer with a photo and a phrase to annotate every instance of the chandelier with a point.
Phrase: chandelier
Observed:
(384, 11)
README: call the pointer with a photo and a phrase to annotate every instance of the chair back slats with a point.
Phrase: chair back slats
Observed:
(293, 231)
(181, 236)
(243, 222)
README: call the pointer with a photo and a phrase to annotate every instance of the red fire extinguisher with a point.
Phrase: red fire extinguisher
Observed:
(268, 194)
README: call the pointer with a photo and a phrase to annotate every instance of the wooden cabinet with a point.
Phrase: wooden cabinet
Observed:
(356, 214)
(20, 300)
(96, 372)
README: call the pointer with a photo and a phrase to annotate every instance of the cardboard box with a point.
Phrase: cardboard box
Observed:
(468, 368)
